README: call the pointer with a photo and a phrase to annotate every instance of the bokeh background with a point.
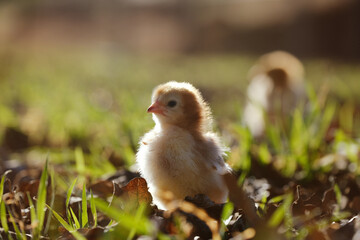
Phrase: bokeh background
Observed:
(80, 73)
(307, 28)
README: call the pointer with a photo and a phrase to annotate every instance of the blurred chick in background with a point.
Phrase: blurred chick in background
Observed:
(276, 87)
(181, 155)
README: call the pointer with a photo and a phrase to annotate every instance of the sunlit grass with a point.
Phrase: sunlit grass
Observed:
(83, 108)
(3, 217)
(37, 212)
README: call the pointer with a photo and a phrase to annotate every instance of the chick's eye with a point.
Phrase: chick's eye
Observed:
(172, 103)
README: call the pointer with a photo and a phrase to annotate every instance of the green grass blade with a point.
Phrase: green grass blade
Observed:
(276, 199)
(93, 208)
(281, 211)
(61, 220)
(324, 122)
(139, 213)
(69, 228)
(2, 184)
(34, 222)
(19, 235)
(84, 214)
(110, 223)
(69, 192)
(264, 154)
(3, 218)
(41, 198)
(227, 211)
(68, 196)
(75, 219)
(298, 133)
(53, 190)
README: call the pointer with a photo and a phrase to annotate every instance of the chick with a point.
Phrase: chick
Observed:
(181, 154)
(276, 87)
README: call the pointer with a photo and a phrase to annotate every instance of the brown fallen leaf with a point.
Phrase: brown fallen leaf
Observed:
(137, 190)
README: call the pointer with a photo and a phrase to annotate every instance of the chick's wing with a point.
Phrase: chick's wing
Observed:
(214, 153)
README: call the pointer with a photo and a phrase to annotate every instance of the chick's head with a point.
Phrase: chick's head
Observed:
(181, 105)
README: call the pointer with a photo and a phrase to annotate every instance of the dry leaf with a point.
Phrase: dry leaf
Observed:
(137, 190)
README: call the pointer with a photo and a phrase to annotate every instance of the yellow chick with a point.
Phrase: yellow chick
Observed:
(181, 154)
(276, 86)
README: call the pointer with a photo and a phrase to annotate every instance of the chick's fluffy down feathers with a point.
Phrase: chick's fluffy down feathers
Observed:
(180, 155)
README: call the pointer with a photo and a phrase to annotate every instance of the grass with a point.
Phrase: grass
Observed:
(88, 110)
(37, 214)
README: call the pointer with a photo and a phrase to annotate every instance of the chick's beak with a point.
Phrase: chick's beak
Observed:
(156, 107)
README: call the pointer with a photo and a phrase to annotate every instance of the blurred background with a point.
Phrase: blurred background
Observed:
(80, 73)
(316, 28)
